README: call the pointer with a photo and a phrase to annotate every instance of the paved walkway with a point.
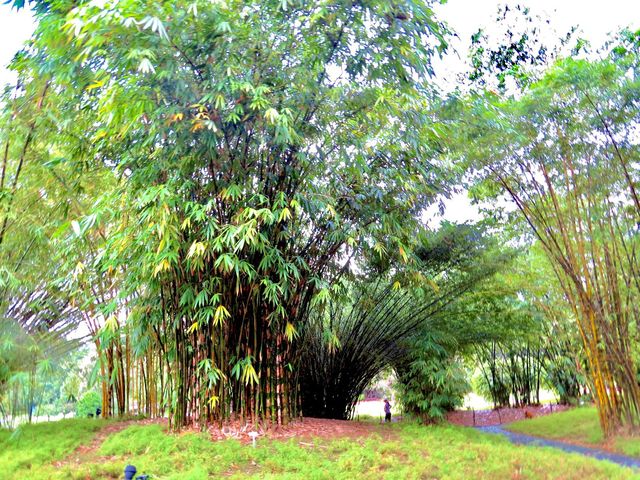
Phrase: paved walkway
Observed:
(520, 438)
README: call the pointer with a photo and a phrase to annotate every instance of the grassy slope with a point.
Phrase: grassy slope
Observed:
(580, 425)
(31, 447)
(445, 452)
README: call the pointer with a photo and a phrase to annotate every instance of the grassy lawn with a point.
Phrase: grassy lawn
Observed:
(33, 446)
(580, 425)
(407, 451)
(577, 425)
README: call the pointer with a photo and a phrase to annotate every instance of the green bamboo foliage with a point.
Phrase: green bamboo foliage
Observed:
(36, 330)
(384, 323)
(249, 151)
(36, 197)
(563, 155)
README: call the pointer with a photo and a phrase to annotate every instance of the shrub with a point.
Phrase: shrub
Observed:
(88, 404)
(432, 380)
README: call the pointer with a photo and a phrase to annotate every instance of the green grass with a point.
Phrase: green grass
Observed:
(580, 425)
(411, 452)
(577, 425)
(30, 447)
(628, 446)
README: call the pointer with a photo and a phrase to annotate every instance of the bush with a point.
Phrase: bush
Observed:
(432, 380)
(88, 404)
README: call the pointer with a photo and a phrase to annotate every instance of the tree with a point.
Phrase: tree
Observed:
(432, 379)
(518, 51)
(396, 316)
(256, 148)
(562, 154)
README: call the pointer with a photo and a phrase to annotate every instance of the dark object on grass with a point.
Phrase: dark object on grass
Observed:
(129, 472)
(98, 412)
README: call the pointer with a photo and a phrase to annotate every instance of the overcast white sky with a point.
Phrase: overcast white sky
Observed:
(15, 29)
(595, 20)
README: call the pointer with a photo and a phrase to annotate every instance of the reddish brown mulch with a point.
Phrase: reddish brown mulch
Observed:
(485, 418)
(304, 429)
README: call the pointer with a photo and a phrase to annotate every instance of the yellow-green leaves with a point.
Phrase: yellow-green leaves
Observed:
(244, 371)
(197, 249)
(192, 328)
(321, 297)
(380, 249)
(272, 115)
(220, 315)
(231, 193)
(249, 374)
(162, 266)
(285, 214)
(111, 324)
(331, 210)
(78, 270)
(96, 84)
(290, 331)
(403, 254)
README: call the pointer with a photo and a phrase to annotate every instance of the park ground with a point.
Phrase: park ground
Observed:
(312, 449)
(578, 426)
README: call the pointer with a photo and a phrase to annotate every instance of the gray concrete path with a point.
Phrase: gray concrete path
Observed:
(522, 439)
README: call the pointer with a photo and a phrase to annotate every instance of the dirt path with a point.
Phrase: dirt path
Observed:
(89, 451)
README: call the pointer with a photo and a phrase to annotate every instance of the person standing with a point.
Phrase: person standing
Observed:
(387, 410)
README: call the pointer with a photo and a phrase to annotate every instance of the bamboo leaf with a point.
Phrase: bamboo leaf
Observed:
(290, 331)
(220, 315)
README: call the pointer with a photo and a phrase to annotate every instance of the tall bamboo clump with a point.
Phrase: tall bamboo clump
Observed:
(347, 343)
(346, 346)
(253, 156)
(563, 158)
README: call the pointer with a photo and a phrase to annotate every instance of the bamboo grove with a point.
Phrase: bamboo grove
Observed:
(347, 345)
(563, 154)
(228, 200)
(235, 159)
